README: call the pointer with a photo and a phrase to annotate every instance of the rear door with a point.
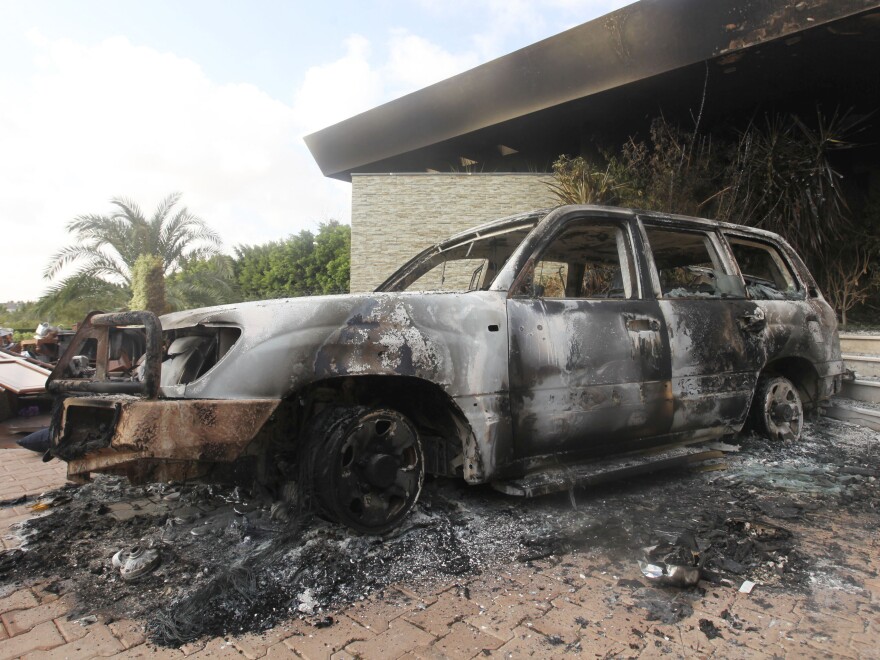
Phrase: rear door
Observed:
(589, 362)
(716, 335)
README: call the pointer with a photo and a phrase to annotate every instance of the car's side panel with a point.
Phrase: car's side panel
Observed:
(716, 360)
(586, 376)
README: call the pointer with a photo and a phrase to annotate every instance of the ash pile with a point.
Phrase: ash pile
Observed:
(192, 560)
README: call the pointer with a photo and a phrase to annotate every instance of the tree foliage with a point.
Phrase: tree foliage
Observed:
(106, 248)
(577, 181)
(202, 283)
(69, 304)
(305, 264)
(783, 179)
(24, 316)
(778, 173)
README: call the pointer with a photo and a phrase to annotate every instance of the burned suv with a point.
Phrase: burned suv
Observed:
(524, 352)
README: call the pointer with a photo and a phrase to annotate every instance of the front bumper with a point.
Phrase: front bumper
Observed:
(154, 439)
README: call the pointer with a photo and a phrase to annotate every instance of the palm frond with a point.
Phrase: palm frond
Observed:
(80, 288)
(107, 246)
(129, 210)
(164, 208)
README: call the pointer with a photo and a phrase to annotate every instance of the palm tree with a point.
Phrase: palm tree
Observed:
(106, 247)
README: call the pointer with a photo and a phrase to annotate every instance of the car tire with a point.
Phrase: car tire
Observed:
(777, 410)
(366, 465)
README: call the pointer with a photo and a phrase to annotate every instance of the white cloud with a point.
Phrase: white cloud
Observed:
(502, 22)
(117, 119)
(332, 92)
(415, 62)
(113, 118)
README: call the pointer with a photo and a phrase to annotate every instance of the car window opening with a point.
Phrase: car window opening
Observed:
(766, 274)
(587, 260)
(688, 265)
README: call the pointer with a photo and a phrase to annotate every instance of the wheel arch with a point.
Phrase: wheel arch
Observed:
(799, 371)
(443, 428)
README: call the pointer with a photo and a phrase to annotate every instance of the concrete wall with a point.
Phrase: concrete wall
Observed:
(395, 216)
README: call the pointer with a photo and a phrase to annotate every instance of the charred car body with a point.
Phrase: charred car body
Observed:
(525, 347)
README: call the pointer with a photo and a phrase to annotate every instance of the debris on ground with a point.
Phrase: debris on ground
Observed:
(230, 563)
(37, 441)
(133, 563)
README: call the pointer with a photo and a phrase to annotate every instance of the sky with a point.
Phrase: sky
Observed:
(211, 98)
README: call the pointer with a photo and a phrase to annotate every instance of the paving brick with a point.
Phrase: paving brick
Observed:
(98, 642)
(71, 630)
(18, 600)
(19, 621)
(500, 619)
(835, 603)
(9, 490)
(863, 648)
(400, 637)
(378, 611)
(217, 648)
(42, 637)
(716, 599)
(323, 642)
(46, 591)
(449, 608)
(528, 643)
(565, 621)
(464, 641)
(823, 642)
(691, 637)
(8, 543)
(415, 599)
(761, 631)
(255, 645)
(129, 633)
(540, 588)
(280, 651)
(13, 522)
(191, 648)
(345, 655)
(661, 648)
(781, 603)
(147, 651)
(13, 512)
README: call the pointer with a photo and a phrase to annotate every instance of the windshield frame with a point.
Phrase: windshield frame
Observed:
(402, 278)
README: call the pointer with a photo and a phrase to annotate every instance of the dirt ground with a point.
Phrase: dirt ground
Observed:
(797, 520)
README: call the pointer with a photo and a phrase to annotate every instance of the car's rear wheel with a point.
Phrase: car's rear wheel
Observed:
(777, 409)
(367, 466)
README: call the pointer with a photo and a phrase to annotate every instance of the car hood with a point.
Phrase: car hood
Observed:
(288, 343)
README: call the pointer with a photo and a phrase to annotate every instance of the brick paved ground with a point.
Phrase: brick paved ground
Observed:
(561, 605)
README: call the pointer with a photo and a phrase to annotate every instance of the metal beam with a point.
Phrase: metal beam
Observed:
(643, 40)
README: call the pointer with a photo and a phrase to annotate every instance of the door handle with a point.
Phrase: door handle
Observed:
(753, 321)
(643, 325)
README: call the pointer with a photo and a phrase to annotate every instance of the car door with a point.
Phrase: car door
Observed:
(799, 322)
(715, 334)
(588, 359)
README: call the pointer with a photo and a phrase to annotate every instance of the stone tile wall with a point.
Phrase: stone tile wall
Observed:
(394, 216)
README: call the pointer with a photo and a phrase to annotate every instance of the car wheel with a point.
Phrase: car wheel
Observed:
(367, 466)
(778, 410)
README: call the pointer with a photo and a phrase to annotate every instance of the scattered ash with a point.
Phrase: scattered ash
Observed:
(709, 629)
(232, 562)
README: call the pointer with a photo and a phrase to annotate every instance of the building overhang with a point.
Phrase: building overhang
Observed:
(676, 57)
